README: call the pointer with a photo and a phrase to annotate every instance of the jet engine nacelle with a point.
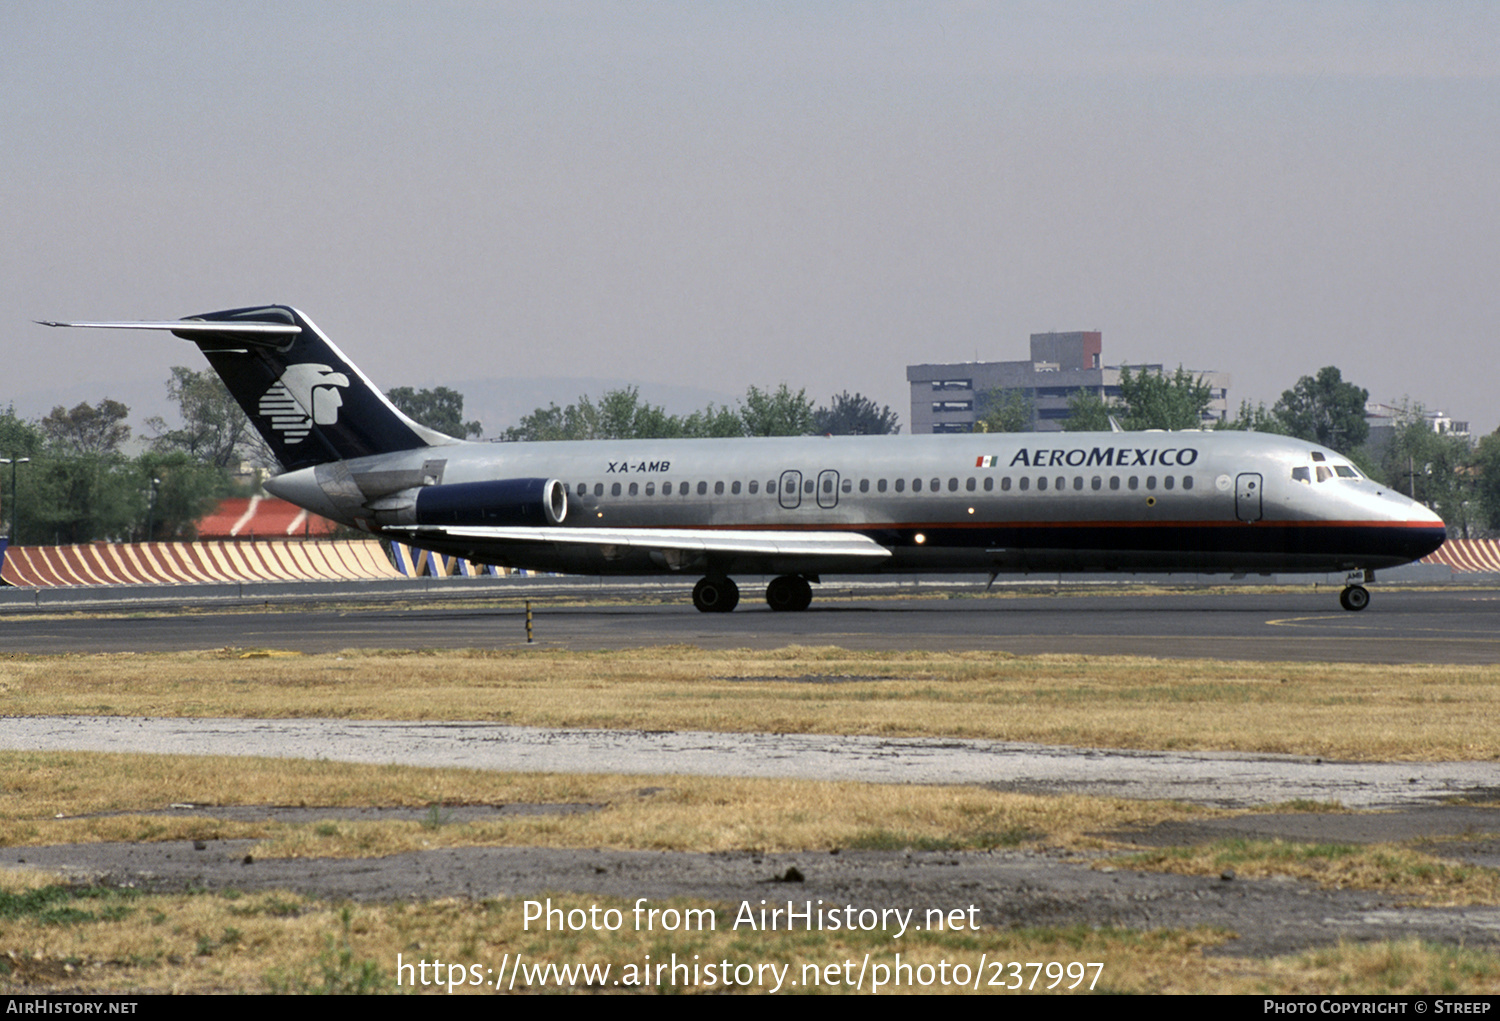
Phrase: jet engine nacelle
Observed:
(535, 502)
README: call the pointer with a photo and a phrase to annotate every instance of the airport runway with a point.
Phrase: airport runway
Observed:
(1458, 625)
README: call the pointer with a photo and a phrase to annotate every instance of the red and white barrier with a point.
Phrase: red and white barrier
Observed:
(195, 563)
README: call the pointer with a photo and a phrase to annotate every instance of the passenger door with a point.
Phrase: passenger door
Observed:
(828, 489)
(1247, 500)
(790, 490)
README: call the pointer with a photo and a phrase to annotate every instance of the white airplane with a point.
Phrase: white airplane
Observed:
(800, 507)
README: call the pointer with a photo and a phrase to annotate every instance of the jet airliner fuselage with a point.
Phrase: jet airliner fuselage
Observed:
(800, 507)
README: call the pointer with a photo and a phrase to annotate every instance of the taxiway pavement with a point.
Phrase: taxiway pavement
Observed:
(1442, 625)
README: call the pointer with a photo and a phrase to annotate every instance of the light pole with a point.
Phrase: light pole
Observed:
(15, 505)
(151, 508)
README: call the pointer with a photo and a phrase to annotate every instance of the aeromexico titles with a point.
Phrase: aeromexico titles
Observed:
(799, 507)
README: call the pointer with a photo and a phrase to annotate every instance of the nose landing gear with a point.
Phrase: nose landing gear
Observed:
(1355, 597)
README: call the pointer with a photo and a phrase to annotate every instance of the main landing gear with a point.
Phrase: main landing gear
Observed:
(789, 592)
(717, 593)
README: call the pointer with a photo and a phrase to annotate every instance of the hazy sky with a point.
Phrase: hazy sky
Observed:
(720, 194)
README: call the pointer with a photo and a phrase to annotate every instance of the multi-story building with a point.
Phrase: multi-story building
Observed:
(1384, 419)
(951, 398)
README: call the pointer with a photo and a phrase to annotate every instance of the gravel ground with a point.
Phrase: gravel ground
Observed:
(1009, 888)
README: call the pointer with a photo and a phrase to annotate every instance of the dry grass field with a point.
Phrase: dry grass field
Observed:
(1344, 711)
(57, 937)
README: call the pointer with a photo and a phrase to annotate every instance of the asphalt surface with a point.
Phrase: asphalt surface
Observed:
(1441, 625)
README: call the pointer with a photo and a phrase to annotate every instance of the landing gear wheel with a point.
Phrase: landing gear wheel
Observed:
(789, 592)
(716, 595)
(1355, 597)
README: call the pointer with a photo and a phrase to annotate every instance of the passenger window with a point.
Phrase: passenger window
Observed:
(900, 485)
(598, 489)
(1061, 483)
(1041, 484)
(989, 483)
(1134, 483)
(916, 485)
(1077, 482)
(828, 485)
(666, 489)
(1097, 483)
(635, 489)
(1005, 484)
(864, 485)
(703, 489)
(938, 484)
(808, 486)
(583, 488)
(683, 489)
(1167, 482)
(848, 486)
(614, 490)
(771, 487)
(880, 485)
(1150, 481)
(1187, 482)
(754, 487)
(651, 489)
(1025, 482)
(1114, 482)
(953, 485)
(734, 488)
(718, 489)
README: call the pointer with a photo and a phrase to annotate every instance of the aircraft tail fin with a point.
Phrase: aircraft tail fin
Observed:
(310, 403)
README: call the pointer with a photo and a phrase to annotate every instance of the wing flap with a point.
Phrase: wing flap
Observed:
(697, 540)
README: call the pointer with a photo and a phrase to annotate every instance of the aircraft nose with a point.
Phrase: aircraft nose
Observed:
(1425, 515)
(1426, 530)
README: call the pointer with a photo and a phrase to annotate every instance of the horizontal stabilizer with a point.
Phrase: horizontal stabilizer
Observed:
(248, 332)
(697, 540)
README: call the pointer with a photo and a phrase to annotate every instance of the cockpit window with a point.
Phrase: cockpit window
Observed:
(1302, 475)
(1345, 472)
(1317, 455)
(1324, 474)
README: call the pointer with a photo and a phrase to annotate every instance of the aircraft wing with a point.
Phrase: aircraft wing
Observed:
(695, 540)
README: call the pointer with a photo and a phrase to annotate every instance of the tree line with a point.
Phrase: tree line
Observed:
(622, 415)
(1450, 473)
(71, 480)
